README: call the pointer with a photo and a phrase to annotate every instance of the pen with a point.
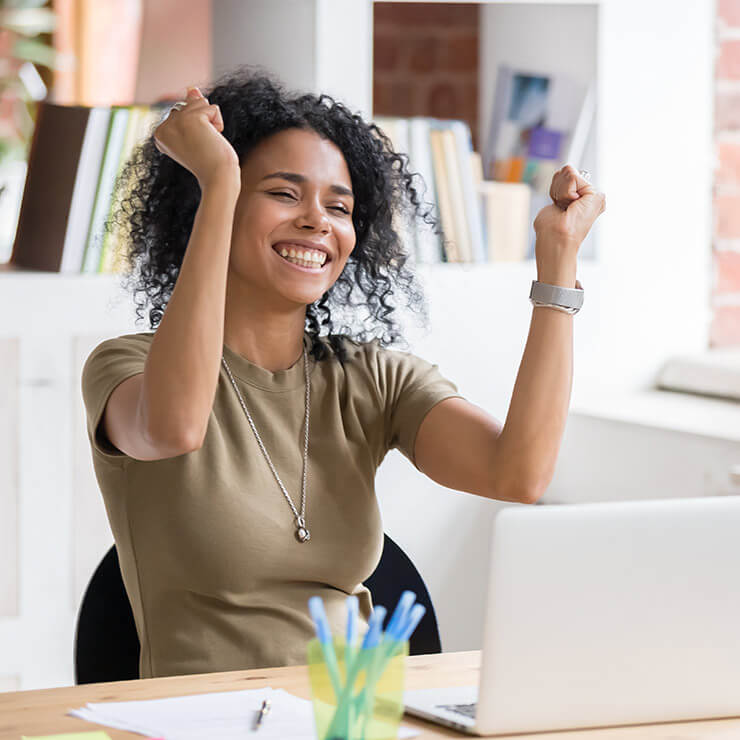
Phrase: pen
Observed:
(367, 652)
(353, 605)
(415, 615)
(374, 628)
(400, 614)
(321, 623)
(352, 609)
(350, 648)
(261, 714)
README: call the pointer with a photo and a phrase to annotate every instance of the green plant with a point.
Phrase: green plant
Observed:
(21, 51)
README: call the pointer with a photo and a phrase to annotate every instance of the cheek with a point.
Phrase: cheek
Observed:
(253, 232)
(347, 239)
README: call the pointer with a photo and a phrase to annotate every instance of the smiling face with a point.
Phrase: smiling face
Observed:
(293, 228)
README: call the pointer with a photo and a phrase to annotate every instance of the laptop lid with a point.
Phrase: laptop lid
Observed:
(612, 613)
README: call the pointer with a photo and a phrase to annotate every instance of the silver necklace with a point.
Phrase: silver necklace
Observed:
(301, 533)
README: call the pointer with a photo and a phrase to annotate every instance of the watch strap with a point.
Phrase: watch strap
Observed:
(555, 295)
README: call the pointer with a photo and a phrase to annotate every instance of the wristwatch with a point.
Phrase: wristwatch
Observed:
(567, 300)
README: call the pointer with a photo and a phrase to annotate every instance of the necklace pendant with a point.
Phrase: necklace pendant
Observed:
(301, 533)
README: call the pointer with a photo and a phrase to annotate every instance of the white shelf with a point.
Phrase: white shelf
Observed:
(669, 410)
(38, 303)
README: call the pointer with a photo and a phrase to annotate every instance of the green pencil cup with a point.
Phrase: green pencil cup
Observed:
(363, 700)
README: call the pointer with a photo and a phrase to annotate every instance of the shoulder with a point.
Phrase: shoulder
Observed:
(140, 340)
(114, 359)
(374, 354)
(124, 345)
(367, 356)
(389, 368)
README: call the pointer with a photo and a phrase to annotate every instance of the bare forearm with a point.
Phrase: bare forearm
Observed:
(182, 367)
(531, 437)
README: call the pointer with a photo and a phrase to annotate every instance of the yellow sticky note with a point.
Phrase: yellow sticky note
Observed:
(71, 736)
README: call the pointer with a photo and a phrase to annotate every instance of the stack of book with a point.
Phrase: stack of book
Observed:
(441, 152)
(75, 158)
(77, 154)
(482, 221)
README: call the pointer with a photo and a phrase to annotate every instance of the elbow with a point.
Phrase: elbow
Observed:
(534, 489)
(173, 441)
(531, 495)
(521, 491)
(515, 493)
(519, 481)
(191, 441)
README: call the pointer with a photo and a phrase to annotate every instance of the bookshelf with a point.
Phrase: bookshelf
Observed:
(646, 297)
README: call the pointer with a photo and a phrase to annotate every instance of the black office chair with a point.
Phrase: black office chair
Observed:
(107, 646)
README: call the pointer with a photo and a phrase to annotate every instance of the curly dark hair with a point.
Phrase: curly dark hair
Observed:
(157, 200)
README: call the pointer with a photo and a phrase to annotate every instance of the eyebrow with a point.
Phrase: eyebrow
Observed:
(300, 179)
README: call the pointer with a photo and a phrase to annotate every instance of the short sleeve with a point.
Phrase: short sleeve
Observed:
(107, 366)
(410, 387)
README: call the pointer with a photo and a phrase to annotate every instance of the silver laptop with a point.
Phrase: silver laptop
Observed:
(604, 614)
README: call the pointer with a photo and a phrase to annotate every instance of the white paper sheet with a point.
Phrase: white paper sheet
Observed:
(227, 715)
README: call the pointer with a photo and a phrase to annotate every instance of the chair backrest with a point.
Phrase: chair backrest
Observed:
(394, 575)
(107, 645)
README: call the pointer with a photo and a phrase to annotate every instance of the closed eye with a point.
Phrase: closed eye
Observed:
(341, 209)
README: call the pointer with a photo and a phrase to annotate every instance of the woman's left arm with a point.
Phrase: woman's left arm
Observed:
(461, 446)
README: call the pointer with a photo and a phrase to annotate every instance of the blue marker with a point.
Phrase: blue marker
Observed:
(350, 650)
(374, 627)
(417, 612)
(399, 615)
(353, 607)
(323, 632)
(345, 707)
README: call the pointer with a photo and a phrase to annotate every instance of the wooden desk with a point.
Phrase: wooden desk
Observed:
(42, 712)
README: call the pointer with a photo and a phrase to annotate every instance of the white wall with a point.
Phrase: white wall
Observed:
(656, 155)
(278, 35)
(313, 45)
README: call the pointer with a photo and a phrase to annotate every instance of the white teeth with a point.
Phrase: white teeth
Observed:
(305, 258)
(303, 263)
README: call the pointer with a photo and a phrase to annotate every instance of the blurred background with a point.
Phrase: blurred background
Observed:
(488, 99)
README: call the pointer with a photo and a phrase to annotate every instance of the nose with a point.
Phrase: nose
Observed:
(313, 216)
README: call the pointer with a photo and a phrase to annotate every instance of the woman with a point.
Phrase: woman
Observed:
(236, 444)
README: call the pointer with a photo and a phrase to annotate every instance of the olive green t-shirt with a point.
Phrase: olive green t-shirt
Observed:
(216, 578)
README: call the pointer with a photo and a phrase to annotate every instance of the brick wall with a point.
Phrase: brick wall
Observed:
(425, 61)
(725, 330)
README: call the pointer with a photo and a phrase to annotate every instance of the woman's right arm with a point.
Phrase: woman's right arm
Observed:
(164, 411)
